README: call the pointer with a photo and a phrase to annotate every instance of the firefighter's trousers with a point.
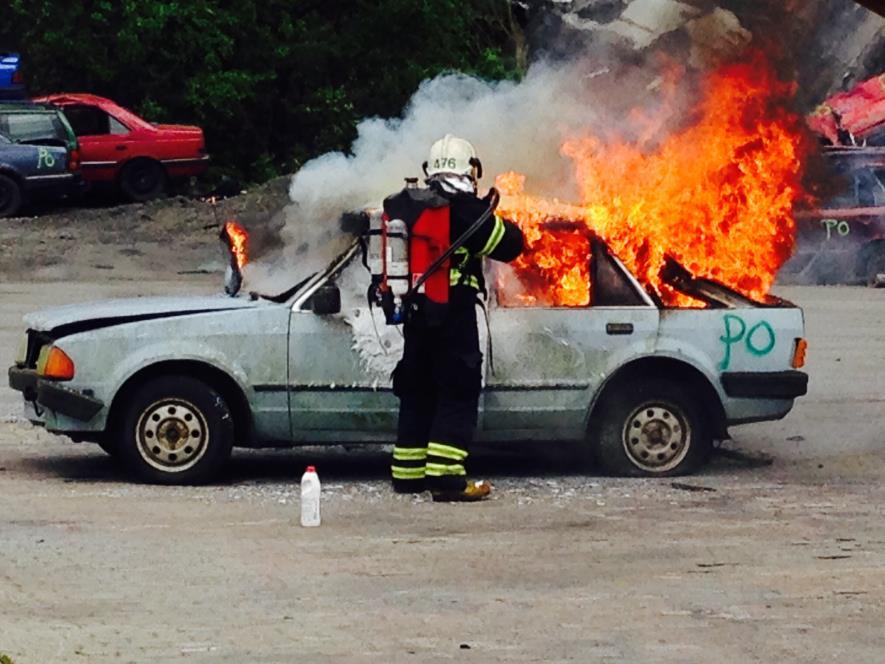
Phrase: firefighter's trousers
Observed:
(438, 382)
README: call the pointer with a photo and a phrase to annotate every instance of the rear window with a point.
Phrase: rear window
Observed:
(34, 128)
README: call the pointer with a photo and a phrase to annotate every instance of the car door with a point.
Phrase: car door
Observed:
(550, 361)
(105, 142)
(339, 369)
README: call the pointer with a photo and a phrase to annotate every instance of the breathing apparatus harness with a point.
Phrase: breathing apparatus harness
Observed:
(400, 274)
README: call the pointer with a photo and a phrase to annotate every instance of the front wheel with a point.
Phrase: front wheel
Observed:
(651, 428)
(176, 430)
(10, 196)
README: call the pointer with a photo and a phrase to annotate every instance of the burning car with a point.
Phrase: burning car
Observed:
(171, 385)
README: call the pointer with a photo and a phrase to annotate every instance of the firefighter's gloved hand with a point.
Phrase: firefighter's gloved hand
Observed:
(355, 223)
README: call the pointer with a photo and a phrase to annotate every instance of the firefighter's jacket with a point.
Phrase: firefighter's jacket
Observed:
(498, 239)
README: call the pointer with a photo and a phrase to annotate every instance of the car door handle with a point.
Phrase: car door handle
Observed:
(619, 328)
(120, 148)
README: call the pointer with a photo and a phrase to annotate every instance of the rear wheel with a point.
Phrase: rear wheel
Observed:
(651, 428)
(143, 180)
(10, 196)
(176, 430)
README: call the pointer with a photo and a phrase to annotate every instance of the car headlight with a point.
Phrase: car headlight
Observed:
(55, 363)
(21, 356)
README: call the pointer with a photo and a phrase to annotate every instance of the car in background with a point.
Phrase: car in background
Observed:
(31, 172)
(39, 156)
(843, 240)
(121, 149)
(12, 82)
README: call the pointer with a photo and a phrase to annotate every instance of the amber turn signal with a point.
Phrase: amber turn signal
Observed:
(799, 353)
(55, 363)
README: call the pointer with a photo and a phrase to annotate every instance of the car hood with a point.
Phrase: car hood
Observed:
(91, 315)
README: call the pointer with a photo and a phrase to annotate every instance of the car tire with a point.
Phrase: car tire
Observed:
(875, 269)
(175, 430)
(10, 196)
(143, 180)
(652, 428)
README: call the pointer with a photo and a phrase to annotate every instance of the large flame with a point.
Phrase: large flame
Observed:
(717, 196)
(238, 239)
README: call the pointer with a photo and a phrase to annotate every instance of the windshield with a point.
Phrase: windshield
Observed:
(308, 247)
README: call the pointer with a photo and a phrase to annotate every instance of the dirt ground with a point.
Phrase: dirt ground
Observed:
(779, 561)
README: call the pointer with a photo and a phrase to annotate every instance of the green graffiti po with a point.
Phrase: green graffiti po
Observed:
(45, 159)
(736, 331)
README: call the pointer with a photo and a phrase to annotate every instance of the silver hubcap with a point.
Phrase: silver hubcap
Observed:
(656, 438)
(172, 435)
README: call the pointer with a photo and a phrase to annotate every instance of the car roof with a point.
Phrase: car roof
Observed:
(76, 98)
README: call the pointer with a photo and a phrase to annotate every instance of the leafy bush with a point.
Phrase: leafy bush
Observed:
(272, 82)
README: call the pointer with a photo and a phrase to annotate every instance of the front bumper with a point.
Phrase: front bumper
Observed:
(765, 384)
(52, 396)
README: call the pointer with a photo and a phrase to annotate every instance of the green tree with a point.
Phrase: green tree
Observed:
(272, 82)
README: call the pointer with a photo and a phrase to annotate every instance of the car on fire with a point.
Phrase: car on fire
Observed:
(121, 149)
(39, 157)
(170, 385)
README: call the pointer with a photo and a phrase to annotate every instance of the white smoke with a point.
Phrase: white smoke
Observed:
(514, 126)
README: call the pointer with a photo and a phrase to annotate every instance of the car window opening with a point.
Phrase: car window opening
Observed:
(92, 121)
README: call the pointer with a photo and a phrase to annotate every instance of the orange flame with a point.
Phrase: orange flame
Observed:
(238, 239)
(717, 196)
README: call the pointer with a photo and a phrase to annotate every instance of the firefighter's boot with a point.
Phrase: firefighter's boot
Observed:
(474, 491)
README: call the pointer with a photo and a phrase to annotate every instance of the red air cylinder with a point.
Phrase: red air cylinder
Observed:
(428, 240)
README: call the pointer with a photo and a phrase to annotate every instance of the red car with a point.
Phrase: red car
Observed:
(122, 149)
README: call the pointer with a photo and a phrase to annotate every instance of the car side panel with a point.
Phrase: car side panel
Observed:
(751, 339)
(248, 345)
(549, 364)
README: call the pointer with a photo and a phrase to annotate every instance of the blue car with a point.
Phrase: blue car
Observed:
(32, 172)
(12, 82)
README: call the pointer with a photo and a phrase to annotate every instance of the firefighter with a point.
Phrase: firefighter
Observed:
(439, 377)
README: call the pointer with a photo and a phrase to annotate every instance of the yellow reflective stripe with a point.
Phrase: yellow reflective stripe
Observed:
(401, 473)
(446, 451)
(443, 469)
(494, 237)
(456, 280)
(409, 453)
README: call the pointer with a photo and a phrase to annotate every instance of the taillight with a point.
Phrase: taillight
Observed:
(799, 354)
(55, 363)
(17, 77)
(74, 160)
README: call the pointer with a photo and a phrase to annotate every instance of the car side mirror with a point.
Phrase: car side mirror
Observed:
(326, 300)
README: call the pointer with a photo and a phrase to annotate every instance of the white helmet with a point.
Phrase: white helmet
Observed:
(451, 154)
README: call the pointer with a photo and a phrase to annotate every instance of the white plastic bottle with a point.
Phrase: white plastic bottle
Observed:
(310, 498)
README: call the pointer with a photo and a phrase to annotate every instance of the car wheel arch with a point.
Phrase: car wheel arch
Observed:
(216, 378)
(667, 368)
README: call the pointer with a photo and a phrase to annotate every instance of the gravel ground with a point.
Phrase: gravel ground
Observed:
(775, 552)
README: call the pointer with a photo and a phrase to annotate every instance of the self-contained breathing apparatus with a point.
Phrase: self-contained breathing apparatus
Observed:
(410, 249)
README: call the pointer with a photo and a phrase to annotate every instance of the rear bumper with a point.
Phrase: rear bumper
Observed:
(53, 396)
(765, 384)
